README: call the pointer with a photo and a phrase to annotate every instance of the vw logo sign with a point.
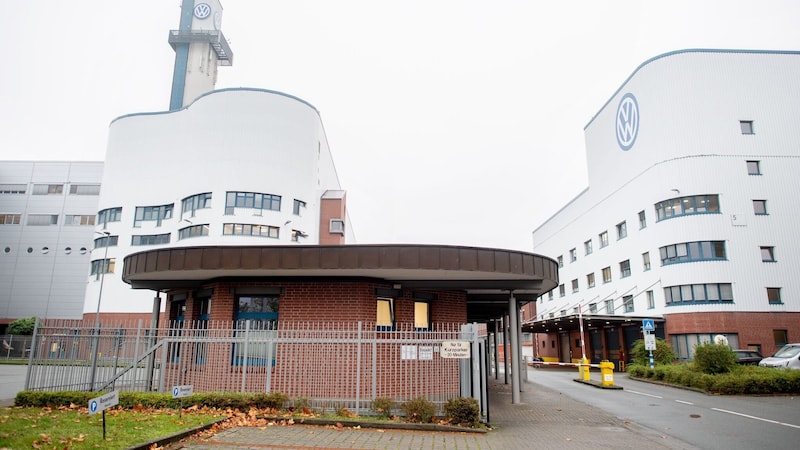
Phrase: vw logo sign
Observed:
(202, 10)
(627, 122)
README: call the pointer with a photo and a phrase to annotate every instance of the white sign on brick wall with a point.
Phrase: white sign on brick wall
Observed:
(455, 349)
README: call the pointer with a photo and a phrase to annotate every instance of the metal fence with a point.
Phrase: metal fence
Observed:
(332, 365)
(15, 346)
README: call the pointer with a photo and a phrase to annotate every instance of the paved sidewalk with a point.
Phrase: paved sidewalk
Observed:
(545, 419)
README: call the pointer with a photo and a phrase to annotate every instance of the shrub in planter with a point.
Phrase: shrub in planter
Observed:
(463, 411)
(419, 410)
(714, 358)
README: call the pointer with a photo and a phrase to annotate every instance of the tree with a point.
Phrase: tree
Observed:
(22, 326)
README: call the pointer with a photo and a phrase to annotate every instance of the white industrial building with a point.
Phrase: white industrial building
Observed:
(690, 216)
(47, 217)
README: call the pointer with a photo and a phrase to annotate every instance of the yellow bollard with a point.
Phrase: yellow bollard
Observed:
(583, 370)
(607, 373)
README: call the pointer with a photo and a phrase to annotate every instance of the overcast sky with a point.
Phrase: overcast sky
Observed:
(450, 122)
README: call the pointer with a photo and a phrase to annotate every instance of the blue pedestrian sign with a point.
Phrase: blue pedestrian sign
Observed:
(648, 325)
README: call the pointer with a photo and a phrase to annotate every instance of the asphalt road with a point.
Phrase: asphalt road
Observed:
(705, 421)
(12, 380)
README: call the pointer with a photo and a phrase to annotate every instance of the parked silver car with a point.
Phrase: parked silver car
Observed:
(787, 357)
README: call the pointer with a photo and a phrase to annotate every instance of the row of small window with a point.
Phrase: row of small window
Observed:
(681, 206)
(51, 189)
(228, 229)
(47, 219)
(189, 205)
(670, 254)
(688, 294)
(45, 250)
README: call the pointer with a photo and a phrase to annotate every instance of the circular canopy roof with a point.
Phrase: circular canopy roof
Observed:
(488, 275)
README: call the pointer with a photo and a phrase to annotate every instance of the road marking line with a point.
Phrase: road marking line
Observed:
(642, 393)
(684, 402)
(756, 418)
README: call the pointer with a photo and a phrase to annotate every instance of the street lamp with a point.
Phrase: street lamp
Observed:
(95, 344)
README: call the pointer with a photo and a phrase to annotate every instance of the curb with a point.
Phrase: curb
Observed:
(597, 385)
(160, 442)
(379, 425)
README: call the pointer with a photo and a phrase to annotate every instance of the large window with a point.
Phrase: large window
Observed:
(84, 189)
(71, 219)
(193, 231)
(150, 239)
(48, 189)
(246, 229)
(646, 261)
(682, 206)
(422, 315)
(560, 260)
(252, 200)
(562, 291)
(610, 307)
(10, 219)
(587, 247)
(642, 220)
(692, 251)
(106, 241)
(575, 285)
(155, 214)
(385, 314)
(698, 293)
(573, 255)
(590, 280)
(109, 215)
(651, 300)
(191, 204)
(101, 266)
(42, 219)
(256, 315)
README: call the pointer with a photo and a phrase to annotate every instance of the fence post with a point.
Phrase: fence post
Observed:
(358, 370)
(30, 356)
(244, 361)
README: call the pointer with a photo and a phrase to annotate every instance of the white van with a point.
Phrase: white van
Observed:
(787, 357)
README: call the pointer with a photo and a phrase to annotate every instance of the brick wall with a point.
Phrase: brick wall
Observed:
(753, 328)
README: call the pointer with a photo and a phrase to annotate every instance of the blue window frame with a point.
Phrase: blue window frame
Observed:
(698, 294)
(684, 206)
(693, 251)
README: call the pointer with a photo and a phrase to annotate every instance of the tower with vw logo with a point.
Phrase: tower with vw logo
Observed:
(199, 47)
(690, 217)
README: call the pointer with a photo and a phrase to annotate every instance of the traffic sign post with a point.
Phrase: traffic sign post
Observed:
(648, 327)
(99, 404)
(180, 392)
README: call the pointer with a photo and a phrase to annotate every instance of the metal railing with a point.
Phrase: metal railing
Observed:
(333, 365)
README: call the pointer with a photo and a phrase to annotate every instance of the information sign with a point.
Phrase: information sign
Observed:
(455, 349)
